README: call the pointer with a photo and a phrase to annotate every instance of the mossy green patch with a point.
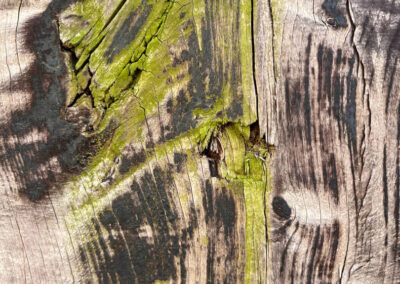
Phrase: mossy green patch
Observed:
(245, 163)
(249, 97)
(255, 192)
(132, 81)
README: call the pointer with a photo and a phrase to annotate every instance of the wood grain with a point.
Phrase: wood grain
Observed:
(199, 141)
(332, 113)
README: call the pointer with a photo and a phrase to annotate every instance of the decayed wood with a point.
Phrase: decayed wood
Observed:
(199, 141)
(331, 108)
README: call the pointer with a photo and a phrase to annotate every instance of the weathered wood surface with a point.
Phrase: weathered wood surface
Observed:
(33, 237)
(328, 86)
(130, 149)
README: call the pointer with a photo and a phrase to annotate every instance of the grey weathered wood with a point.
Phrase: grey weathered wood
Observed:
(333, 114)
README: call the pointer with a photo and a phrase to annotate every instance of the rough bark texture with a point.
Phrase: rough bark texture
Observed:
(199, 141)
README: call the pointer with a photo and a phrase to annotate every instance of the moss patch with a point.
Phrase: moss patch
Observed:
(166, 78)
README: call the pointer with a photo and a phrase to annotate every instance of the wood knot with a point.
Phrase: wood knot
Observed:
(281, 208)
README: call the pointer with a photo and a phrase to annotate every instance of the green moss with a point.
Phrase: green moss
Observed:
(245, 165)
(123, 82)
(255, 193)
(83, 78)
(233, 144)
(84, 101)
(249, 96)
(111, 81)
(106, 74)
(83, 16)
(141, 78)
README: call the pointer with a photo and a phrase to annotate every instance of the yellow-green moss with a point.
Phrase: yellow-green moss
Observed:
(246, 162)
(255, 202)
(249, 97)
(140, 78)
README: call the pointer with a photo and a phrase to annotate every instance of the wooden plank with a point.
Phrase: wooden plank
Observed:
(332, 113)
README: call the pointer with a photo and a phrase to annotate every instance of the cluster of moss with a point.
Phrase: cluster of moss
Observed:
(245, 166)
(129, 84)
(129, 102)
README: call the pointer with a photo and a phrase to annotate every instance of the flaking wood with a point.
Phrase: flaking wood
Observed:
(199, 141)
